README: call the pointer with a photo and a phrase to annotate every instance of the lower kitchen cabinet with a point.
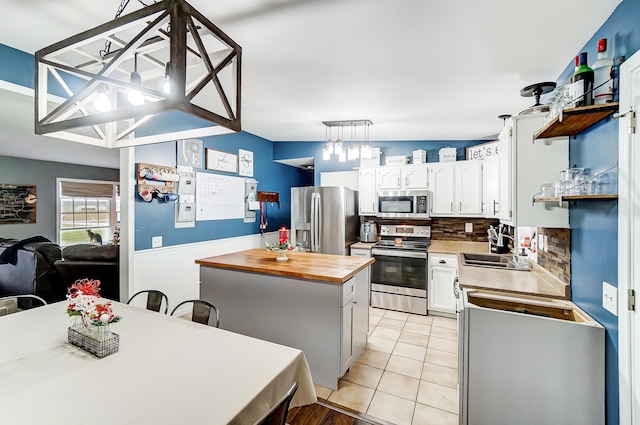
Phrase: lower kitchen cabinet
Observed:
(361, 252)
(441, 299)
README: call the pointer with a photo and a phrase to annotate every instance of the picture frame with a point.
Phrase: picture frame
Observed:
(226, 162)
(245, 163)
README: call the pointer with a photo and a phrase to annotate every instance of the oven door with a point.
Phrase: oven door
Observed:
(400, 272)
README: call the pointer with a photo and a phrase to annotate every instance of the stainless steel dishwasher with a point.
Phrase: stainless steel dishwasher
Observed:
(529, 360)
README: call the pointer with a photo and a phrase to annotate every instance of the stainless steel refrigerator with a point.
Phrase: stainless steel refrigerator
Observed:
(324, 219)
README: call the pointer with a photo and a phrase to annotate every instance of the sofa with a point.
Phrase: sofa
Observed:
(99, 262)
(43, 268)
(34, 270)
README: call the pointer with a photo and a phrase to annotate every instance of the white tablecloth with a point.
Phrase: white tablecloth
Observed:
(167, 371)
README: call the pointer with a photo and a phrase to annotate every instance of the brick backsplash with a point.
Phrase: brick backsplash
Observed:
(557, 258)
(452, 229)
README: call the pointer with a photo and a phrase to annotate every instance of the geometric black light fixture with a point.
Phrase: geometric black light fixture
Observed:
(184, 71)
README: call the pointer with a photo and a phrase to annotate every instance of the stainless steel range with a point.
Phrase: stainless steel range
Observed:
(399, 274)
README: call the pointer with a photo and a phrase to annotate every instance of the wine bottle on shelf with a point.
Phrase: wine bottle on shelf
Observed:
(584, 74)
(602, 68)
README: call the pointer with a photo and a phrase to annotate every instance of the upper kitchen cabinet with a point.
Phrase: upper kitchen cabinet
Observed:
(457, 188)
(443, 188)
(525, 166)
(400, 178)
(389, 178)
(492, 186)
(367, 204)
(415, 176)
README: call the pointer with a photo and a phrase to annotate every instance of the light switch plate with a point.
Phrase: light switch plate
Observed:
(156, 241)
(610, 298)
(468, 227)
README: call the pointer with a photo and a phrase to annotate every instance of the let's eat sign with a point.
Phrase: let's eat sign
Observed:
(483, 151)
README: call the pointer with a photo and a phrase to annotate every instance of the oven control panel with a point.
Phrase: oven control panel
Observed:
(405, 230)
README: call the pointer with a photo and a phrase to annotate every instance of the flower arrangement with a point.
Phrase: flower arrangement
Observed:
(282, 245)
(283, 242)
(84, 301)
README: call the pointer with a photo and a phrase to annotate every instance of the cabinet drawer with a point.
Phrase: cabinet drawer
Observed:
(348, 291)
(444, 260)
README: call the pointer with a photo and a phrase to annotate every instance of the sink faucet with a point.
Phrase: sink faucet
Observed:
(502, 235)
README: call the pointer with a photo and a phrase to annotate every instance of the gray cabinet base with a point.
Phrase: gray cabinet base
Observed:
(303, 314)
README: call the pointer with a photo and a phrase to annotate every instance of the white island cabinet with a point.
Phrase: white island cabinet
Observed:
(317, 303)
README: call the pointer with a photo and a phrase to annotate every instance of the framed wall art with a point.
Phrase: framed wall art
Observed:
(221, 161)
(245, 163)
(17, 203)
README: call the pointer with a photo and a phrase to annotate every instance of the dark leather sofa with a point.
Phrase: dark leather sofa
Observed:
(33, 272)
(47, 270)
(99, 262)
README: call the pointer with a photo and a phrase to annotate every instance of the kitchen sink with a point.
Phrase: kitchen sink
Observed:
(493, 261)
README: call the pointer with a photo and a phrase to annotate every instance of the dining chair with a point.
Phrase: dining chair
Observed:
(278, 414)
(201, 312)
(9, 304)
(154, 300)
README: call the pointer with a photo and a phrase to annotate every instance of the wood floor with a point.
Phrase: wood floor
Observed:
(325, 413)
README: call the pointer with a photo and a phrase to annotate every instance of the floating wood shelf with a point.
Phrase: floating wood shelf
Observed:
(575, 198)
(576, 120)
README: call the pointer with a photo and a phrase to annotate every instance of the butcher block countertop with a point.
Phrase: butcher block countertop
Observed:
(538, 281)
(301, 265)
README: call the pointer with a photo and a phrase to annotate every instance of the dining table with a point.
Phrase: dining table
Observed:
(167, 371)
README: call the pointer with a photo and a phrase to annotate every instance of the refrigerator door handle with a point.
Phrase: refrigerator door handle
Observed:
(318, 229)
(312, 229)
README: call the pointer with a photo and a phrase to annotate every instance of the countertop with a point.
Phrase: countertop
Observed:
(538, 281)
(363, 245)
(301, 265)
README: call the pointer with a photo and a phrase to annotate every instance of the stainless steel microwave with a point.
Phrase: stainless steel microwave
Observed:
(403, 204)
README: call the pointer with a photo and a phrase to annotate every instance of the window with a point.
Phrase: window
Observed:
(87, 207)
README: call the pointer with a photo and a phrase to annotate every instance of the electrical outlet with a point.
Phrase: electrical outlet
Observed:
(468, 227)
(541, 245)
(156, 241)
(610, 298)
(546, 243)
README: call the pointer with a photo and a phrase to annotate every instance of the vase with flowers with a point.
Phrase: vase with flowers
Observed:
(92, 316)
(283, 245)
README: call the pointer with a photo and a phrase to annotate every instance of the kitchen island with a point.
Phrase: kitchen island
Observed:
(318, 303)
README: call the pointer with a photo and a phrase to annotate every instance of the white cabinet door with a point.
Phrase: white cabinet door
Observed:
(347, 336)
(441, 297)
(415, 177)
(531, 164)
(443, 187)
(491, 186)
(505, 212)
(469, 181)
(367, 204)
(388, 178)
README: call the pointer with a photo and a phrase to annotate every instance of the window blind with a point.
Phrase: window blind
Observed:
(86, 190)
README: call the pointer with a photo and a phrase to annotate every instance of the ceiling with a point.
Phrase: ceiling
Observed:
(420, 70)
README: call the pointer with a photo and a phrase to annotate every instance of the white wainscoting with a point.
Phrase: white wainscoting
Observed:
(173, 270)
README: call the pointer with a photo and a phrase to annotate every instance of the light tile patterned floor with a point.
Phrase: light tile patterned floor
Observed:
(408, 374)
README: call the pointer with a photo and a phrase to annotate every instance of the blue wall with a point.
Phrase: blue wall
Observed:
(157, 219)
(594, 224)
(287, 150)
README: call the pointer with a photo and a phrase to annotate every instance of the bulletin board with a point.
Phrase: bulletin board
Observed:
(219, 197)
